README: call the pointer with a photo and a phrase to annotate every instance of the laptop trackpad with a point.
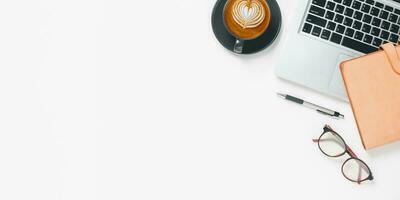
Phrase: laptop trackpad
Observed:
(336, 85)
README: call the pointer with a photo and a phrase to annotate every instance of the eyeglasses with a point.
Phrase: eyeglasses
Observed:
(332, 144)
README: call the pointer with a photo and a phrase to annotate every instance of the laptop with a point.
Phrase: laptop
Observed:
(326, 32)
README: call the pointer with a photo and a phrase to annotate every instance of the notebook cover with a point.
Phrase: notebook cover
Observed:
(373, 88)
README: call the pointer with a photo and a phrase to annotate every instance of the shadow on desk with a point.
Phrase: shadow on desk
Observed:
(273, 47)
(387, 150)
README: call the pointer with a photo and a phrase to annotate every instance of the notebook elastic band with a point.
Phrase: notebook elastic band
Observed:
(393, 56)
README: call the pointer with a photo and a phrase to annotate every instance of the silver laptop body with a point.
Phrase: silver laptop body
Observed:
(314, 49)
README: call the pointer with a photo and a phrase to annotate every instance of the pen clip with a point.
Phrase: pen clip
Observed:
(336, 115)
(325, 113)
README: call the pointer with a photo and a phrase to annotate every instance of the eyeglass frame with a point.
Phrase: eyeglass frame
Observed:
(348, 151)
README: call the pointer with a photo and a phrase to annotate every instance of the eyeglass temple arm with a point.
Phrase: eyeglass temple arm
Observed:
(317, 140)
(326, 128)
(351, 152)
(359, 174)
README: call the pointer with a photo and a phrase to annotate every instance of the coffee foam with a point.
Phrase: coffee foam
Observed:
(248, 13)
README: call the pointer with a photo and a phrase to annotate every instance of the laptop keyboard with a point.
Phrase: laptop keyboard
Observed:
(361, 25)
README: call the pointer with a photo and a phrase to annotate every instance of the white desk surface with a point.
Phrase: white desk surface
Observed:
(126, 99)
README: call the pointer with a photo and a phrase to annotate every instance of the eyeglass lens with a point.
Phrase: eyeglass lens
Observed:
(355, 170)
(331, 144)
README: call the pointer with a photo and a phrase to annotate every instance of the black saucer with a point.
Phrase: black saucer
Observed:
(250, 46)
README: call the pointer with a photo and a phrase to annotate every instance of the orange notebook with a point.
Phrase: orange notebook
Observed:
(373, 87)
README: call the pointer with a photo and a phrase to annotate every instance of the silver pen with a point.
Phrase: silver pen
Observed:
(315, 107)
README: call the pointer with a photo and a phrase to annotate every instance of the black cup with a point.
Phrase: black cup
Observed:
(231, 42)
(238, 47)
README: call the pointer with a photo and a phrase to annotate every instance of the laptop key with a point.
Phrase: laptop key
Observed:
(331, 26)
(349, 12)
(319, 2)
(316, 20)
(383, 14)
(375, 31)
(375, 11)
(340, 29)
(358, 46)
(330, 6)
(349, 32)
(307, 28)
(339, 9)
(325, 34)
(357, 25)
(368, 39)
(394, 38)
(370, 2)
(379, 5)
(356, 5)
(366, 8)
(347, 2)
(389, 8)
(358, 15)
(384, 35)
(329, 15)
(317, 11)
(359, 35)
(394, 28)
(367, 18)
(366, 28)
(385, 25)
(376, 22)
(348, 22)
(397, 11)
(316, 31)
(336, 38)
(377, 42)
(393, 18)
(339, 18)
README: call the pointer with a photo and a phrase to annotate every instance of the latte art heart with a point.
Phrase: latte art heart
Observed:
(248, 13)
